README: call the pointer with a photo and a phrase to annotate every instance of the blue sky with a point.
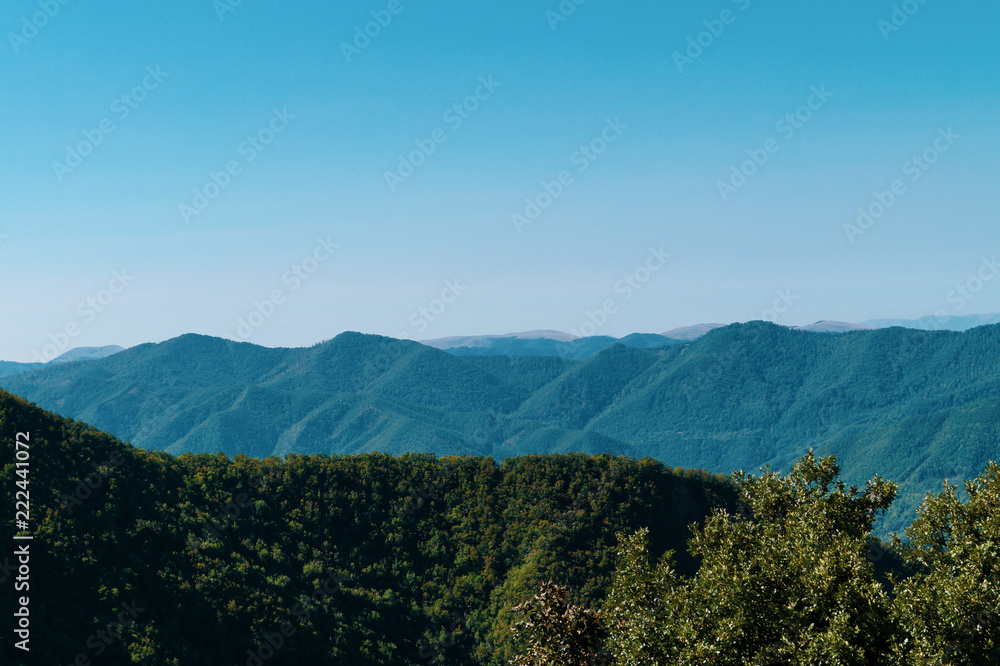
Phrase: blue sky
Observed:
(309, 130)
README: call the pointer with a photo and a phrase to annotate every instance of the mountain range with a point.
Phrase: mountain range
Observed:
(915, 406)
(75, 354)
(557, 343)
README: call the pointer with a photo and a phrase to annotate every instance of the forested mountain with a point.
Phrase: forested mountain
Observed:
(914, 406)
(356, 560)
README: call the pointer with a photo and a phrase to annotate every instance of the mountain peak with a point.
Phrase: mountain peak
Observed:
(87, 353)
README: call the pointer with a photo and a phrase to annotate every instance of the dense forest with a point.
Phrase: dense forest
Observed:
(366, 559)
(916, 406)
(141, 557)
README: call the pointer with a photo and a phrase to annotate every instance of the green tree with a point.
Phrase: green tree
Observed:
(950, 604)
(786, 580)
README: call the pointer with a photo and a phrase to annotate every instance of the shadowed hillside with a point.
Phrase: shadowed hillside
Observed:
(366, 559)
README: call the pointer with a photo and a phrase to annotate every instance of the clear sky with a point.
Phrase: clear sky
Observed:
(175, 167)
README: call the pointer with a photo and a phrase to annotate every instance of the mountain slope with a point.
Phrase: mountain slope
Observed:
(915, 406)
(412, 556)
(352, 394)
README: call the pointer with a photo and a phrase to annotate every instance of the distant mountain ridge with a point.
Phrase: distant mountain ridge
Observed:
(566, 345)
(938, 323)
(75, 354)
(915, 406)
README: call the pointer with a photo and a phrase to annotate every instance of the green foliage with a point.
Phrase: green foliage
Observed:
(950, 605)
(368, 559)
(788, 578)
(784, 581)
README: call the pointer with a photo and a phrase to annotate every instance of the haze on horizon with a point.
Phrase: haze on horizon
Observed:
(178, 167)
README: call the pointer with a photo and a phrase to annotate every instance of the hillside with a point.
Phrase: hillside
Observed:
(914, 406)
(354, 394)
(365, 559)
